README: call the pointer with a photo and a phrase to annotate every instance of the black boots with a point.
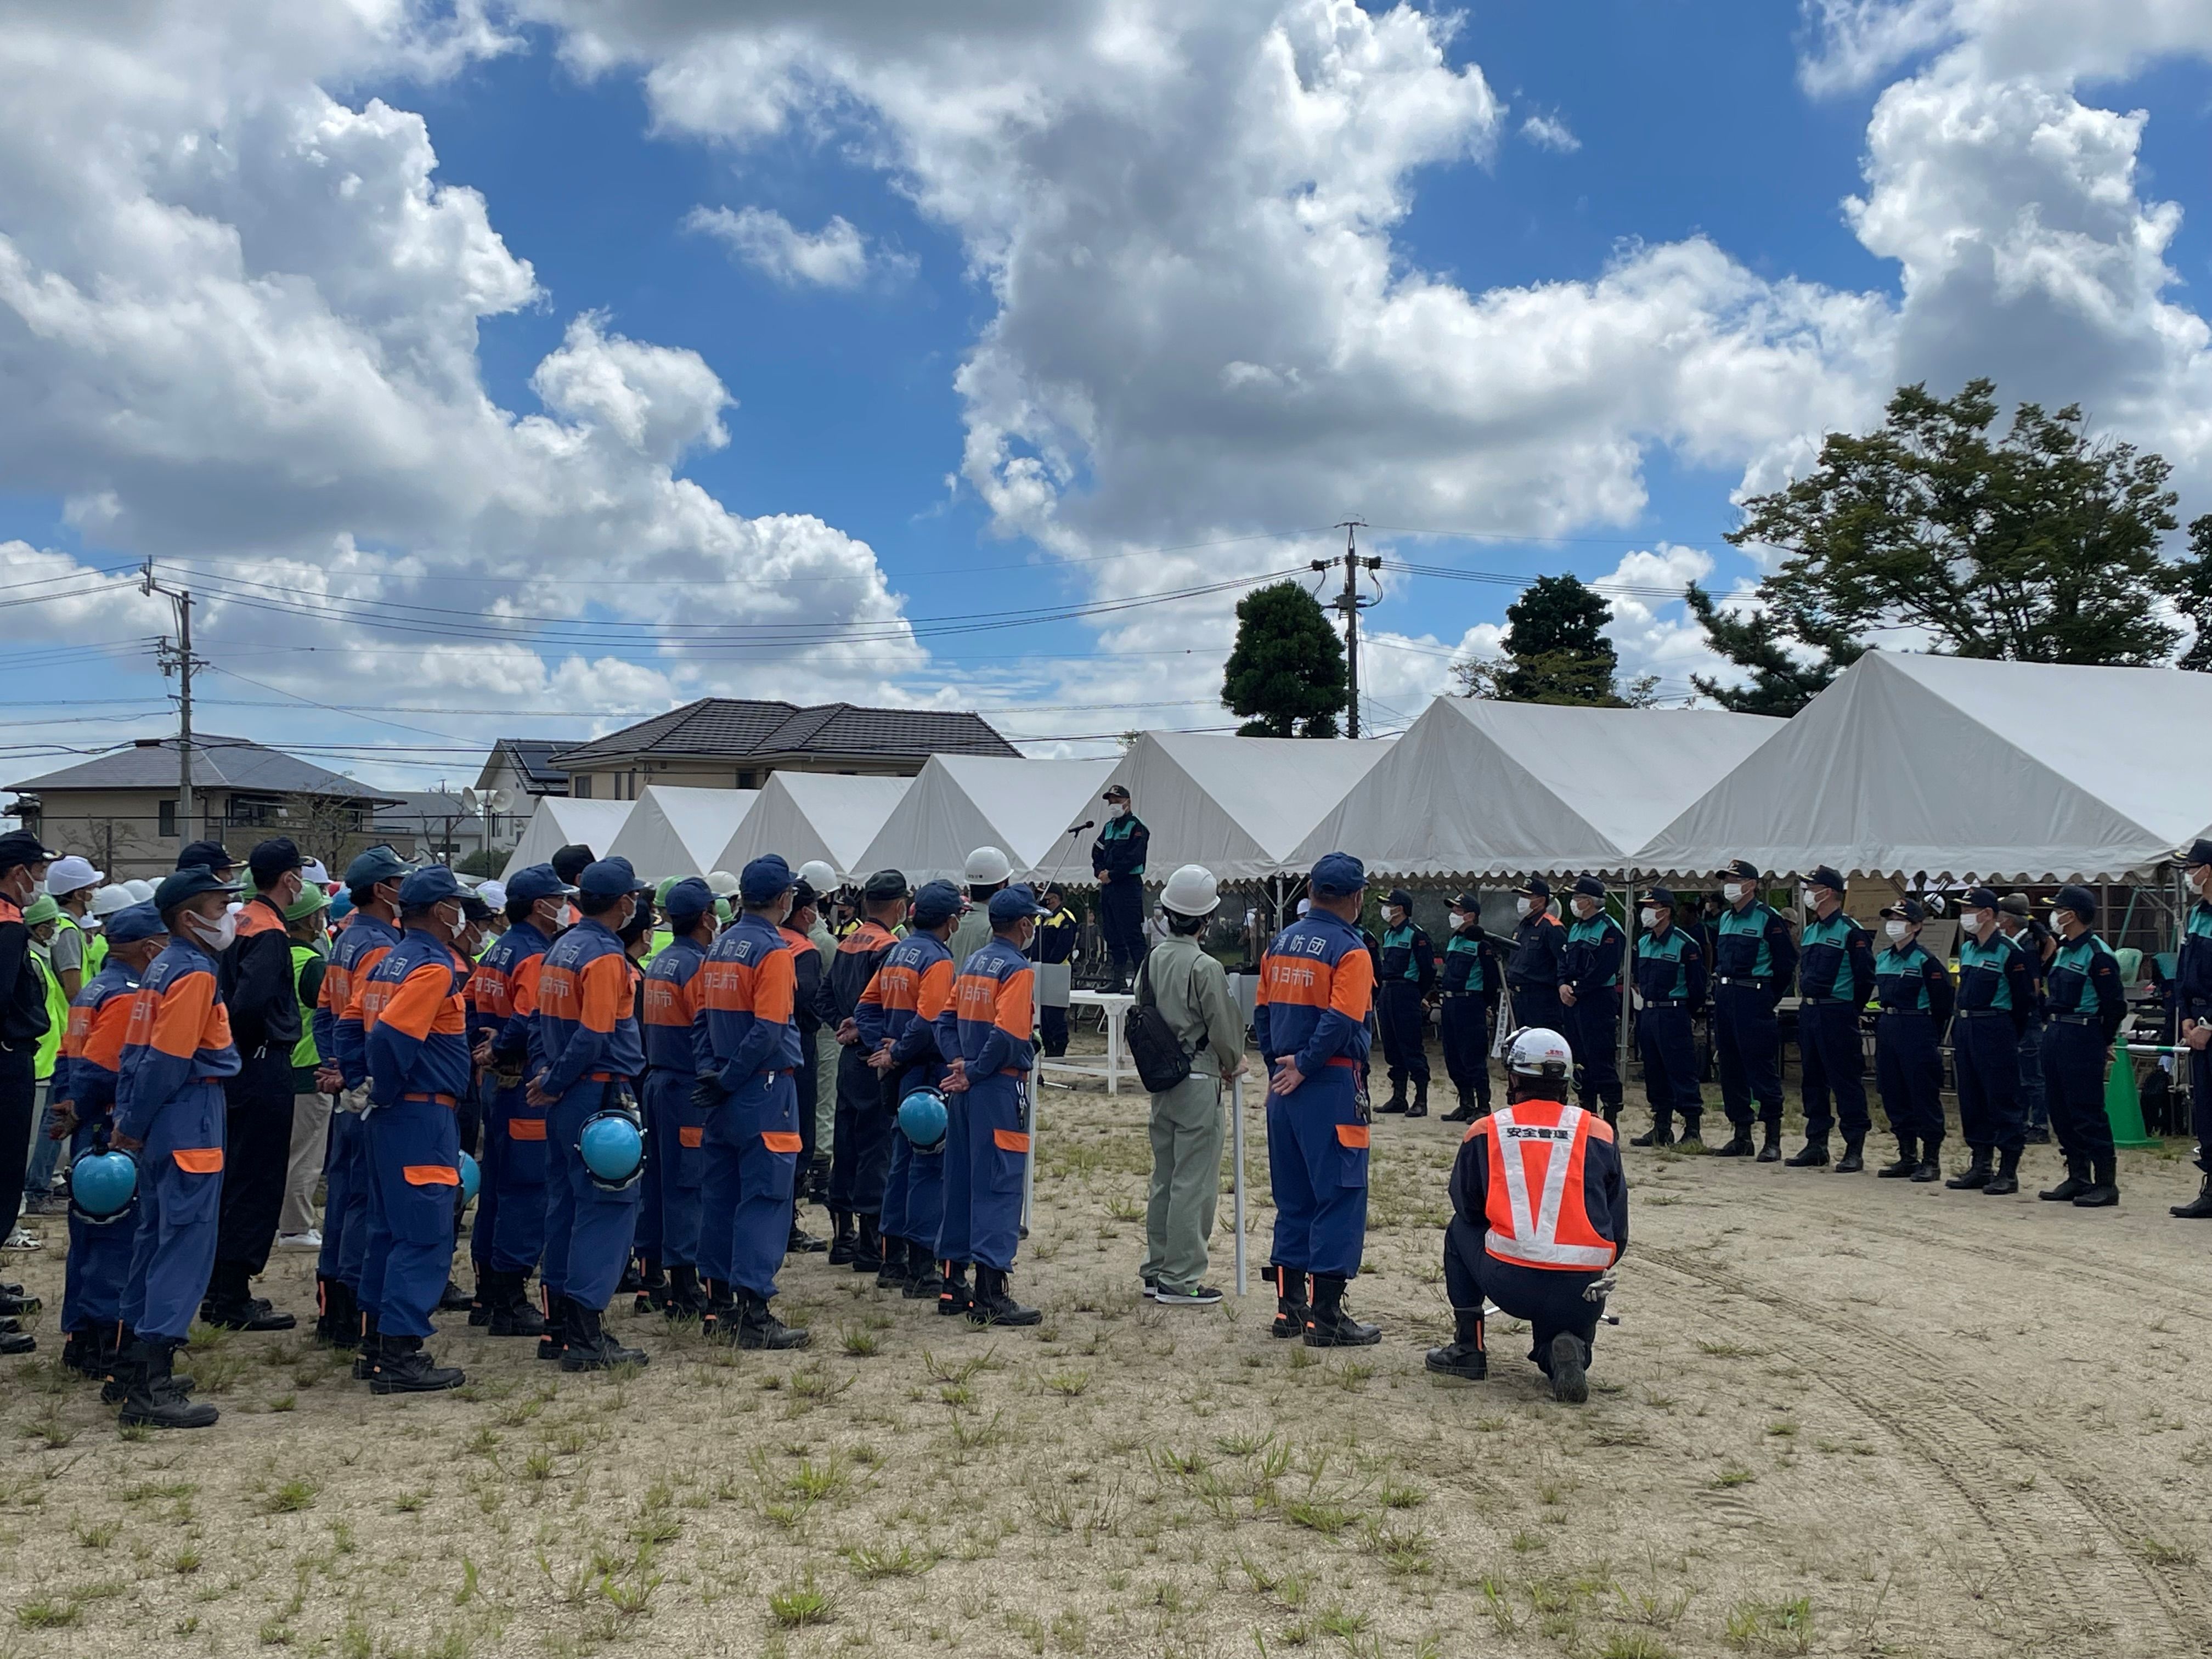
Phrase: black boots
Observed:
(232, 1304)
(896, 1272)
(90, 1352)
(121, 1344)
(1975, 1175)
(1570, 1369)
(2005, 1181)
(1397, 1101)
(556, 1335)
(1420, 1106)
(1463, 1112)
(508, 1309)
(480, 1303)
(652, 1286)
(758, 1327)
(1908, 1160)
(402, 1367)
(1693, 1138)
(802, 1243)
(1661, 1133)
(1330, 1326)
(867, 1248)
(1854, 1158)
(1738, 1146)
(841, 1247)
(1931, 1164)
(2103, 1190)
(366, 1346)
(924, 1283)
(1290, 1309)
(152, 1393)
(719, 1321)
(2077, 1183)
(817, 1182)
(1464, 1357)
(1813, 1157)
(687, 1298)
(454, 1300)
(994, 1304)
(589, 1348)
(1770, 1147)
(338, 1325)
(955, 1297)
(2199, 1207)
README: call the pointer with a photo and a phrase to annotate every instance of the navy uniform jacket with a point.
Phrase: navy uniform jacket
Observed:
(258, 987)
(1406, 954)
(1754, 942)
(1670, 967)
(1592, 958)
(1470, 966)
(1911, 980)
(1997, 976)
(1119, 852)
(2085, 984)
(1836, 961)
(1540, 952)
(2192, 972)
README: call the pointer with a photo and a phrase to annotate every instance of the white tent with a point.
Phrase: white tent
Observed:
(1476, 788)
(559, 822)
(828, 816)
(961, 802)
(1238, 805)
(679, 832)
(1947, 767)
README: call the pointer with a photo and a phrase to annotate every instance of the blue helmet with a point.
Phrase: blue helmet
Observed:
(612, 1146)
(102, 1186)
(921, 1119)
(471, 1179)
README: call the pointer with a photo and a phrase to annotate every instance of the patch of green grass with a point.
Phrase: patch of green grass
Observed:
(802, 1602)
(1068, 1383)
(881, 1561)
(1783, 1627)
(1326, 1519)
(2159, 1553)
(48, 1612)
(292, 1497)
(1732, 1475)
(1634, 1644)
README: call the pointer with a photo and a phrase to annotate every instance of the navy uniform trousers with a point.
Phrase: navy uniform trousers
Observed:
(675, 1163)
(588, 1229)
(1466, 1036)
(860, 1147)
(414, 1165)
(1670, 1064)
(1835, 1066)
(1908, 1069)
(1317, 1158)
(1748, 1042)
(1122, 918)
(1404, 1023)
(983, 1218)
(1550, 1298)
(1985, 1050)
(179, 1209)
(98, 1256)
(1593, 1032)
(751, 1144)
(1537, 1005)
(2074, 1057)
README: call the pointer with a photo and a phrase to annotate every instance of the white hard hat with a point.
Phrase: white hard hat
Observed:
(492, 893)
(722, 884)
(315, 875)
(1536, 1052)
(818, 876)
(68, 875)
(1192, 891)
(986, 866)
(140, 889)
(110, 899)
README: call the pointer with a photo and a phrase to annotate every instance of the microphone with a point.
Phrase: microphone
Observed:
(1087, 824)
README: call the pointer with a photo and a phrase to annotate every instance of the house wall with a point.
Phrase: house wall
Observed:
(119, 829)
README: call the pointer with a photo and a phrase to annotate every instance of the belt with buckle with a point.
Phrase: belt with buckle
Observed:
(1823, 1002)
(438, 1100)
(1983, 1013)
(1666, 1002)
(1741, 979)
(2076, 1019)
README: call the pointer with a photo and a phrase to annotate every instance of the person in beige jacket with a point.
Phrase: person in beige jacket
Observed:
(1192, 994)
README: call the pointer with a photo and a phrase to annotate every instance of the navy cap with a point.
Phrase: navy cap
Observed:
(1469, 902)
(1589, 887)
(687, 900)
(2199, 853)
(608, 879)
(1337, 875)
(273, 858)
(569, 863)
(1115, 791)
(433, 884)
(19, 847)
(189, 884)
(1907, 909)
(766, 879)
(1828, 877)
(885, 884)
(1979, 898)
(1534, 887)
(936, 904)
(535, 882)
(1660, 896)
(1400, 897)
(378, 864)
(1013, 904)
(2081, 900)
(206, 855)
(1742, 869)
(132, 923)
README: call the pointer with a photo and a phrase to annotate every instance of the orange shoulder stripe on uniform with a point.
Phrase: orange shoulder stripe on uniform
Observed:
(180, 1014)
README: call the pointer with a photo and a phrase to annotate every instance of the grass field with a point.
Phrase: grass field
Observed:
(1840, 1416)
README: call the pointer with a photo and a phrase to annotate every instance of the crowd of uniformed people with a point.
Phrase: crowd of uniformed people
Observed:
(637, 1087)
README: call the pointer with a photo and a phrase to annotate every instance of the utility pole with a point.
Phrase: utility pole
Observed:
(178, 660)
(1349, 604)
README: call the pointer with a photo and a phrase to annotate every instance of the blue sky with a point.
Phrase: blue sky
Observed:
(1577, 158)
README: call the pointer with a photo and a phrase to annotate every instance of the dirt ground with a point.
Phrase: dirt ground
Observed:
(1840, 1416)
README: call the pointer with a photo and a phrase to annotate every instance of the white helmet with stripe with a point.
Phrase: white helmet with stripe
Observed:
(1534, 1051)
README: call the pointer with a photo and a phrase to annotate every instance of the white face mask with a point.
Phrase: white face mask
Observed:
(1462, 922)
(1585, 908)
(1120, 809)
(1970, 922)
(1897, 929)
(1732, 891)
(1805, 898)
(453, 923)
(215, 935)
(2058, 922)
(1520, 907)
(2202, 881)
(1393, 915)
(1648, 916)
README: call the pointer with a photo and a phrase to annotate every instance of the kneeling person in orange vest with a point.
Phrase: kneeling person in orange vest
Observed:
(1540, 1215)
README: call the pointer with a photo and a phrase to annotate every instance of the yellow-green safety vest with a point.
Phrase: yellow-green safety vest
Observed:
(50, 1046)
(303, 1051)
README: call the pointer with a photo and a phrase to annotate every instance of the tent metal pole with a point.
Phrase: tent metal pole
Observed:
(1627, 971)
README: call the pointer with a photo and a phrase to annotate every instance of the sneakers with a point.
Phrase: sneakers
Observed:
(310, 1240)
(1570, 1373)
(1151, 1289)
(23, 1239)
(1204, 1296)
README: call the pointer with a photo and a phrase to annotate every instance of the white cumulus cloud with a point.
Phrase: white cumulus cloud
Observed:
(837, 256)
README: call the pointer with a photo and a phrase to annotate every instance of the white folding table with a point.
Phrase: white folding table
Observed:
(1116, 1064)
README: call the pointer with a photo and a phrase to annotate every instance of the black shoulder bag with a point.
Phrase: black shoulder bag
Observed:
(1161, 1061)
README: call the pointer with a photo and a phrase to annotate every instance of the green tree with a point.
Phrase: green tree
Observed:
(1285, 676)
(1556, 651)
(2193, 597)
(2039, 545)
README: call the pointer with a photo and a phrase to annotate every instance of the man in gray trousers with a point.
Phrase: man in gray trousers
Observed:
(1192, 994)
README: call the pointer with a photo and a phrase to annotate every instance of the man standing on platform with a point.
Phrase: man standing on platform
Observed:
(1117, 860)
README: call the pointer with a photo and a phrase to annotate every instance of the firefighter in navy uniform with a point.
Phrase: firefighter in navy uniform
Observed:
(1472, 984)
(1057, 930)
(2088, 1006)
(1754, 959)
(1670, 978)
(1406, 978)
(2192, 1000)
(1997, 999)
(1915, 990)
(1835, 979)
(860, 1156)
(1589, 997)
(1117, 860)
(1538, 957)
(1540, 1215)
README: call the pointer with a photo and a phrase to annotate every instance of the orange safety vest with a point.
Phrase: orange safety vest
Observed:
(1534, 1208)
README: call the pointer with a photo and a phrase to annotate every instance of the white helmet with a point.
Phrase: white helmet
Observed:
(987, 866)
(1536, 1052)
(140, 889)
(110, 899)
(722, 883)
(492, 893)
(1192, 891)
(818, 876)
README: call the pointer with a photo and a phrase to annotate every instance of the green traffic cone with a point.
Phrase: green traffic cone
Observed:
(2124, 1106)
